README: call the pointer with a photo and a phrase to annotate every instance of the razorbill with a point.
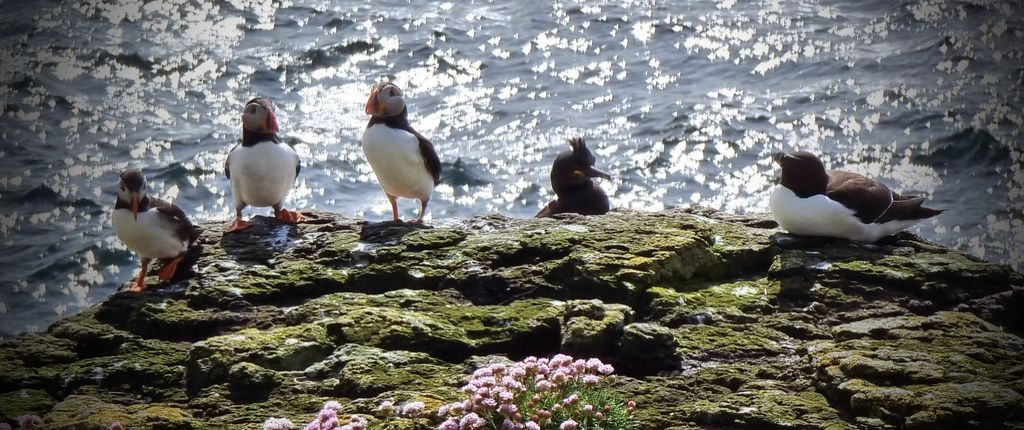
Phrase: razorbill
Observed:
(812, 201)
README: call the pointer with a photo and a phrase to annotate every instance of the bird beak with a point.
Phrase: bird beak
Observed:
(778, 156)
(271, 124)
(372, 104)
(135, 206)
(594, 173)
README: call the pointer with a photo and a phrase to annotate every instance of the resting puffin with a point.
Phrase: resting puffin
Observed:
(152, 228)
(571, 176)
(262, 169)
(812, 201)
(404, 161)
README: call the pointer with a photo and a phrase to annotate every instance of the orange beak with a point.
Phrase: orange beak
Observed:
(271, 122)
(372, 104)
(135, 206)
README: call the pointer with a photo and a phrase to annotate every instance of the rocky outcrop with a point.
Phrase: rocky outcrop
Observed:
(713, 320)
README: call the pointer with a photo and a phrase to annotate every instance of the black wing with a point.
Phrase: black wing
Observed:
(227, 168)
(868, 198)
(907, 208)
(298, 165)
(174, 215)
(430, 158)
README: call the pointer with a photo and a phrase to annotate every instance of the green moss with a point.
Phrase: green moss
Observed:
(86, 413)
(727, 341)
(591, 328)
(361, 371)
(285, 348)
(769, 409)
(24, 402)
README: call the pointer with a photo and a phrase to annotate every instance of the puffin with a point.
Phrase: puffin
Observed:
(404, 161)
(812, 201)
(262, 169)
(152, 228)
(572, 176)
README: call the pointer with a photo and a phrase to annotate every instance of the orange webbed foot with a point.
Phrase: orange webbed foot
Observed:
(167, 272)
(139, 285)
(289, 217)
(237, 225)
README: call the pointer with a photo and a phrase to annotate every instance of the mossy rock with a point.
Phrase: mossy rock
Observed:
(284, 348)
(86, 413)
(356, 371)
(24, 402)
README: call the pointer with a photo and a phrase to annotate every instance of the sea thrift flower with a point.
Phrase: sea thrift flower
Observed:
(333, 405)
(536, 394)
(472, 421)
(116, 425)
(412, 409)
(269, 424)
(386, 407)
(356, 422)
(29, 422)
(5, 426)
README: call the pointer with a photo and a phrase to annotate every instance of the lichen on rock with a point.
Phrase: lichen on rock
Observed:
(714, 321)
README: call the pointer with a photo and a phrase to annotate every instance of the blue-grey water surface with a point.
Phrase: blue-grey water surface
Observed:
(683, 101)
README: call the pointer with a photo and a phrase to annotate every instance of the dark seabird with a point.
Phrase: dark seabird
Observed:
(571, 179)
(404, 161)
(152, 228)
(812, 201)
(262, 169)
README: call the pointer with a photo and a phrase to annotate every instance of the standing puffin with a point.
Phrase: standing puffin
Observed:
(262, 169)
(571, 179)
(812, 201)
(404, 161)
(152, 228)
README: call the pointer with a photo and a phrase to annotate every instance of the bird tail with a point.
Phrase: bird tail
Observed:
(908, 208)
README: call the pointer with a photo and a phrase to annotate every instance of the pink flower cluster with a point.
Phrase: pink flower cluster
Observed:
(25, 422)
(327, 419)
(536, 393)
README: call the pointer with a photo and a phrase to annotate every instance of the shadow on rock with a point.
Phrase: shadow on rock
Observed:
(388, 232)
(265, 238)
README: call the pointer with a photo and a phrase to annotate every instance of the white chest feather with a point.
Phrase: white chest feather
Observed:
(395, 157)
(152, 236)
(262, 174)
(821, 216)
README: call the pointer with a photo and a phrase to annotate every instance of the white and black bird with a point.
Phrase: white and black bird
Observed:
(152, 228)
(262, 169)
(572, 176)
(404, 161)
(812, 201)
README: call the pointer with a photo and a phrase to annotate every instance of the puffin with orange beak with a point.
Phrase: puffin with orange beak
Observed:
(404, 161)
(262, 169)
(152, 228)
(572, 176)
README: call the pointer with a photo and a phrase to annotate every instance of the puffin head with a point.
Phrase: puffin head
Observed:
(132, 189)
(386, 99)
(575, 168)
(802, 172)
(258, 116)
